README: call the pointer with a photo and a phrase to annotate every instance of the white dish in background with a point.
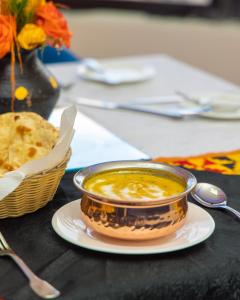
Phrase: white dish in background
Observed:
(67, 224)
(221, 106)
(222, 115)
(115, 74)
(225, 106)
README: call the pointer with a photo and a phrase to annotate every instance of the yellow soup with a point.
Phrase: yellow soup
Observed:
(134, 184)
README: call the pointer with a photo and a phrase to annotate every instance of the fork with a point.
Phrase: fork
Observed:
(42, 288)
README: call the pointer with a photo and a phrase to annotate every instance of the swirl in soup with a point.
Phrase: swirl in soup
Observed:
(134, 184)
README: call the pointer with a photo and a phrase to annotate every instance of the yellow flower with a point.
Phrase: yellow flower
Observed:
(31, 36)
(33, 5)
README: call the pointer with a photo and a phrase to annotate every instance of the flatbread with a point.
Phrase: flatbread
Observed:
(24, 136)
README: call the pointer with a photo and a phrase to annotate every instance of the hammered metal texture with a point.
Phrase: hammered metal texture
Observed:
(133, 223)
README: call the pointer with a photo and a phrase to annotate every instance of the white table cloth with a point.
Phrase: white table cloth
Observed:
(155, 135)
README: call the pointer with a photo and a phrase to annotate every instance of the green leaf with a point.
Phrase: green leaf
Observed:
(17, 8)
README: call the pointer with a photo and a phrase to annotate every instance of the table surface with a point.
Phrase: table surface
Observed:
(154, 135)
(209, 270)
(98, 144)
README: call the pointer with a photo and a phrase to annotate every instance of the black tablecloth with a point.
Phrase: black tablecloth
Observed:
(210, 270)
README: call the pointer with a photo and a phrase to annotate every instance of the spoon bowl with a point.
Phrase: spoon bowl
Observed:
(212, 196)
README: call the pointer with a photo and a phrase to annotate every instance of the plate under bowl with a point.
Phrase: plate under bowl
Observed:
(67, 224)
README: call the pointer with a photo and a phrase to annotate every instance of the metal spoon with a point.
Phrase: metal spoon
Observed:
(212, 196)
(194, 100)
(42, 288)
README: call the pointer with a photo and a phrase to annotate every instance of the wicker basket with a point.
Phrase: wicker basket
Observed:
(34, 192)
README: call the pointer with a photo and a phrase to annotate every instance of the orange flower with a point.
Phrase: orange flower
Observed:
(54, 24)
(7, 34)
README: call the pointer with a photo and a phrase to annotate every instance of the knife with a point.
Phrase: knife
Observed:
(170, 113)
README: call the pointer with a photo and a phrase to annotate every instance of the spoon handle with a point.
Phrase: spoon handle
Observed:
(42, 288)
(232, 210)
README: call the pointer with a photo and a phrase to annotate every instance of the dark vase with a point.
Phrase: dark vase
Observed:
(36, 88)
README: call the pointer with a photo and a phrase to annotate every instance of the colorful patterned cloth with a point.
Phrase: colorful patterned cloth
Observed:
(223, 163)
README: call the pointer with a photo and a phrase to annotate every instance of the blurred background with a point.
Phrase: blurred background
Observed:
(204, 33)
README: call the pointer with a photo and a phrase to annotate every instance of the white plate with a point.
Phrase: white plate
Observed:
(222, 115)
(115, 74)
(68, 225)
(226, 106)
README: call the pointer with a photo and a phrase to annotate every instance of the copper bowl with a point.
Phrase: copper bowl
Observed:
(131, 220)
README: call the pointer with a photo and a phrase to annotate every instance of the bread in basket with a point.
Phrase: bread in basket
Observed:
(26, 136)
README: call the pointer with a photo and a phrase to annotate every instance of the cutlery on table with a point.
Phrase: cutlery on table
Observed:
(178, 97)
(42, 288)
(224, 101)
(171, 112)
(195, 100)
(212, 196)
(200, 101)
(167, 99)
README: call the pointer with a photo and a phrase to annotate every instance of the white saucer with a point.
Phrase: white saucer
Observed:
(115, 74)
(221, 115)
(67, 224)
(225, 106)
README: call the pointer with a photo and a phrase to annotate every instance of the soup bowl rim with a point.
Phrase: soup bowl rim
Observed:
(80, 177)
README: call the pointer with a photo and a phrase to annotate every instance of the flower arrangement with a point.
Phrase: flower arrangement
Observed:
(28, 24)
